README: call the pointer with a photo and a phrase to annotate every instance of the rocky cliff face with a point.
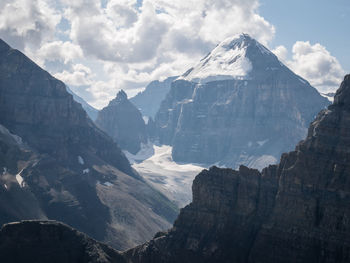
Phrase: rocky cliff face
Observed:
(123, 122)
(36, 106)
(239, 105)
(296, 211)
(50, 241)
(56, 164)
(91, 111)
(148, 101)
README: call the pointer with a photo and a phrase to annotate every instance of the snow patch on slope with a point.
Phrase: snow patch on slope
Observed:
(227, 61)
(173, 179)
(19, 179)
(81, 160)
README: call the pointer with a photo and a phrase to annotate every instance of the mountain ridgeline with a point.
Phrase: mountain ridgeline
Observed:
(124, 123)
(91, 111)
(56, 164)
(296, 211)
(238, 105)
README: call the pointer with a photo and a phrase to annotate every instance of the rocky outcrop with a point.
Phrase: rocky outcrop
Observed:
(50, 241)
(56, 164)
(239, 105)
(296, 211)
(148, 101)
(124, 123)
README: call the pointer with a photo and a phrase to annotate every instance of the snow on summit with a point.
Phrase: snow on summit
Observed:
(228, 60)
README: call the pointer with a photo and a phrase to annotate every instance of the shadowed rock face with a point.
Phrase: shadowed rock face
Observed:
(37, 107)
(123, 122)
(296, 211)
(232, 120)
(56, 164)
(91, 111)
(50, 241)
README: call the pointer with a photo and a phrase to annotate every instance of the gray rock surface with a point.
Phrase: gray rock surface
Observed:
(56, 164)
(91, 111)
(250, 117)
(148, 101)
(124, 123)
(296, 211)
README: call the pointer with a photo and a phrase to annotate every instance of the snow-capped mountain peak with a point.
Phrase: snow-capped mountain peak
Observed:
(228, 60)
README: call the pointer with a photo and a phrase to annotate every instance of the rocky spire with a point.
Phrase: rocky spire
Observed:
(124, 123)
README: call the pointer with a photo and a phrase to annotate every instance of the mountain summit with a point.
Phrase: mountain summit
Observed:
(124, 123)
(234, 58)
(238, 105)
(296, 211)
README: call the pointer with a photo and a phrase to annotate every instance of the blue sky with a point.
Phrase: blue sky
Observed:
(318, 21)
(98, 47)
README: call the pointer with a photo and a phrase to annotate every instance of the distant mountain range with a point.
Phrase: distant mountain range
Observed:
(296, 211)
(238, 105)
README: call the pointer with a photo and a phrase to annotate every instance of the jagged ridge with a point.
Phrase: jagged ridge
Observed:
(296, 211)
(124, 123)
(231, 119)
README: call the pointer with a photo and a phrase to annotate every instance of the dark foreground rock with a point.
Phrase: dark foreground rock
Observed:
(296, 211)
(50, 241)
(56, 164)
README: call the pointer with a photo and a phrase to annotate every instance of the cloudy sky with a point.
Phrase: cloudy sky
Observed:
(98, 47)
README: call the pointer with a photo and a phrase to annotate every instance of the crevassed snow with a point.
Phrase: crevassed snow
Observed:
(81, 160)
(227, 61)
(173, 179)
(257, 162)
(19, 179)
(263, 161)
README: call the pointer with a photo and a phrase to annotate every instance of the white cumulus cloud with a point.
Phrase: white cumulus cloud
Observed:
(104, 46)
(314, 63)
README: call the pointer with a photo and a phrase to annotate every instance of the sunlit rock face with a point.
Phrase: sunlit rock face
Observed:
(238, 105)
